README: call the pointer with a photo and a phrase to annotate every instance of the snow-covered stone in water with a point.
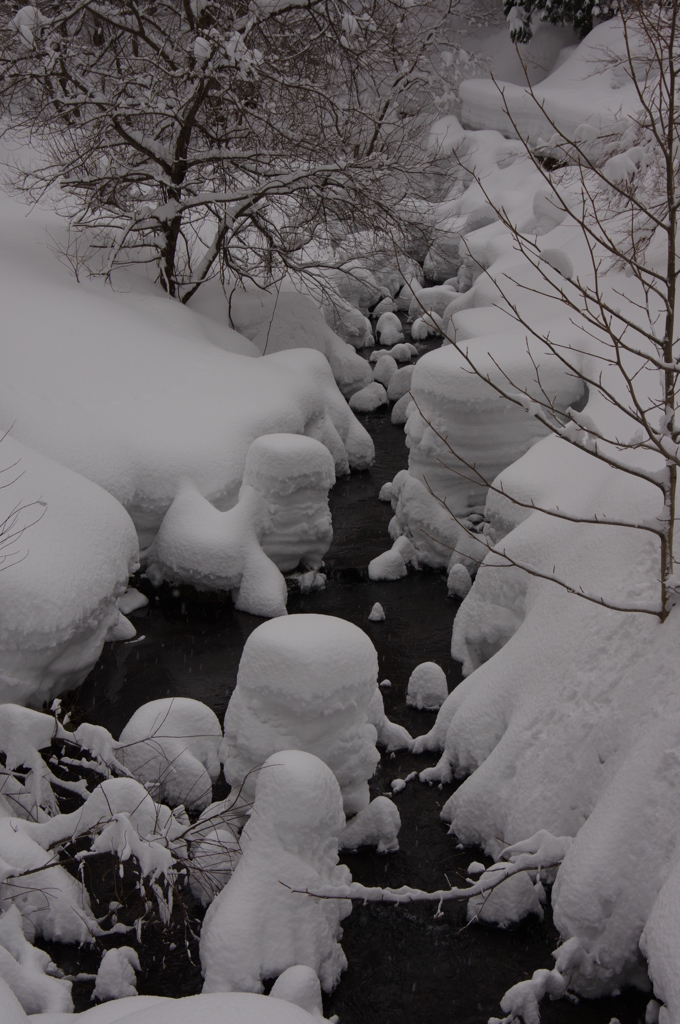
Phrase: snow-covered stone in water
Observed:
(24, 970)
(427, 687)
(402, 353)
(310, 581)
(426, 325)
(116, 978)
(74, 548)
(377, 825)
(548, 212)
(369, 398)
(400, 383)
(377, 613)
(510, 901)
(257, 927)
(388, 330)
(294, 473)
(390, 735)
(299, 985)
(431, 300)
(393, 564)
(560, 261)
(385, 369)
(131, 601)
(386, 492)
(308, 681)
(458, 581)
(386, 305)
(172, 746)
(400, 412)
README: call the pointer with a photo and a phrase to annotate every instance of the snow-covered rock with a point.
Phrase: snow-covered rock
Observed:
(116, 977)
(263, 922)
(400, 383)
(304, 681)
(431, 300)
(172, 746)
(427, 687)
(68, 550)
(385, 369)
(388, 330)
(377, 825)
(369, 398)
(390, 735)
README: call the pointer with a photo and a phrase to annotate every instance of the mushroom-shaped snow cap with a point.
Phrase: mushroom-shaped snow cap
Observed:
(299, 796)
(318, 664)
(283, 463)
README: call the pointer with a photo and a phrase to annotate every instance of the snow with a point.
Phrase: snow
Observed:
(304, 681)
(132, 391)
(400, 383)
(586, 88)
(218, 1008)
(388, 330)
(299, 985)
(376, 825)
(369, 398)
(390, 735)
(377, 613)
(23, 970)
(427, 687)
(61, 575)
(506, 904)
(172, 746)
(284, 320)
(116, 978)
(261, 923)
(385, 369)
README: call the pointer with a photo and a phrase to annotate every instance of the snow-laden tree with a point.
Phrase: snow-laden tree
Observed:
(579, 13)
(199, 135)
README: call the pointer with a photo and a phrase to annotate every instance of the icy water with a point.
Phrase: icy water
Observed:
(406, 966)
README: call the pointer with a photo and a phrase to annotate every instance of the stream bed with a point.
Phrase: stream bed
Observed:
(406, 965)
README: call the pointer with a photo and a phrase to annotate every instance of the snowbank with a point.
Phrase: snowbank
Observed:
(285, 320)
(259, 925)
(129, 389)
(69, 548)
(585, 88)
(304, 681)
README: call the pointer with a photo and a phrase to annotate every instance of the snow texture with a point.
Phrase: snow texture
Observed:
(72, 551)
(369, 398)
(427, 687)
(377, 825)
(263, 923)
(116, 978)
(172, 746)
(304, 681)
(377, 613)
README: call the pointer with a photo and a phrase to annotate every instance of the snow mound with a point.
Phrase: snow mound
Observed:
(71, 550)
(511, 901)
(385, 369)
(427, 687)
(299, 985)
(307, 681)
(286, 320)
(172, 746)
(377, 613)
(369, 398)
(24, 970)
(116, 978)
(400, 383)
(263, 923)
(388, 330)
(390, 735)
(377, 825)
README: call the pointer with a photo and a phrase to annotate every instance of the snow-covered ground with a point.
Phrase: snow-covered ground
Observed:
(136, 422)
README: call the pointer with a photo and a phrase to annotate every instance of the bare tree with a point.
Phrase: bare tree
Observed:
(203, 136)
(621, 193)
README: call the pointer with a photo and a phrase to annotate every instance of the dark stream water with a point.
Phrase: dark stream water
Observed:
(405, 965)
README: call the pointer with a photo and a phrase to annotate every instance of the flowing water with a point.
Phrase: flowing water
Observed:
(407, 964)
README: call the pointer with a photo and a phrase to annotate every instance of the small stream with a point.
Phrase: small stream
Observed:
(405, 965)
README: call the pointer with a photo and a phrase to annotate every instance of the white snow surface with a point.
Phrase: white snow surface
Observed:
(72, 550)
(427, 687)
(304, 681)
(130, 389)
(172, 746)
(377, 825)
(259, 926)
